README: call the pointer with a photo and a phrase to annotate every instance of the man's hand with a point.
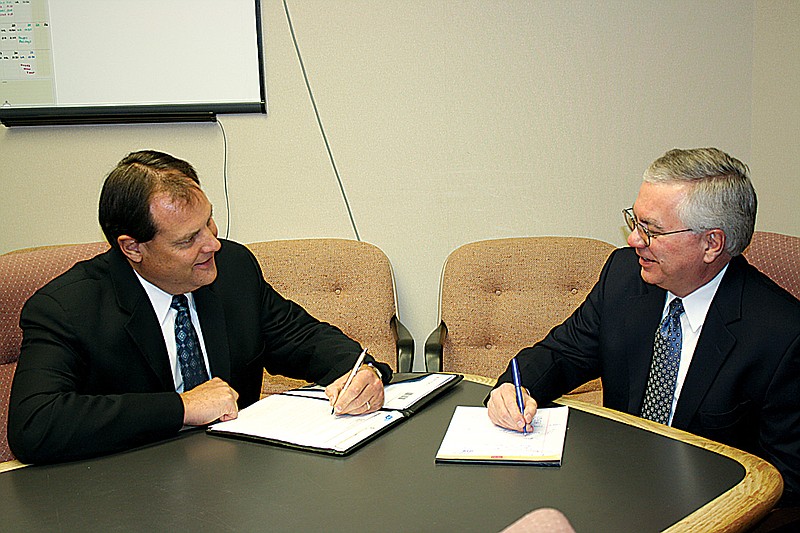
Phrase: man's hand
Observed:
(363, 395)
(504, 411)
(209, 401)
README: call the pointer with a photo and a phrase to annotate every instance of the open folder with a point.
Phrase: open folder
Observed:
(472, 438)
(301, 418)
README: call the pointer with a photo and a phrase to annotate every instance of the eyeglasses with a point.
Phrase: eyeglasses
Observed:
(646, 235)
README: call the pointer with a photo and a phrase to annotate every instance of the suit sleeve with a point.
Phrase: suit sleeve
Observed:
(54, 412)
(779, 435)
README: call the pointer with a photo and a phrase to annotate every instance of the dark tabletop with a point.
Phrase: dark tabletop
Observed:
(614, 477)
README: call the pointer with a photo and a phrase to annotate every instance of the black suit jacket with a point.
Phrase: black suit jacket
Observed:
(743, 384)
(93, 375)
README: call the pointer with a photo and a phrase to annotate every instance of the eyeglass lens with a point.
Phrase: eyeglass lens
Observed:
(633, 224)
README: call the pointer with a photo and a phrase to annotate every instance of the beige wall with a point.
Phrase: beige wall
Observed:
(455, 121)
(775, 132)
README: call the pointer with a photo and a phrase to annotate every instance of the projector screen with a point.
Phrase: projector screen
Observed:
(84, 61)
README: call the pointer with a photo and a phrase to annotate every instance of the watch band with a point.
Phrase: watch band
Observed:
(374, 369)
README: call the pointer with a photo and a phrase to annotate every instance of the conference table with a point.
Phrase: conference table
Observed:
(619, 473)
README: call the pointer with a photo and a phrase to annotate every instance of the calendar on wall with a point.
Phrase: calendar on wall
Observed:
(90, 61)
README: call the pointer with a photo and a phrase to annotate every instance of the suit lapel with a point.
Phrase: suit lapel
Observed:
(142, 326)
(643, 314)
(714, 345)
(215, 332)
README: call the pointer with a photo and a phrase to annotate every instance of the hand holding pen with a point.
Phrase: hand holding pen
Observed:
(510, 406)
(360, 392)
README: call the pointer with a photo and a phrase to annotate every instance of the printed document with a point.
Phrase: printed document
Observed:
(472, 437)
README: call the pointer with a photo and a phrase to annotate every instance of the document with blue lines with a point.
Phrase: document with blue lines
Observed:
(472, 438)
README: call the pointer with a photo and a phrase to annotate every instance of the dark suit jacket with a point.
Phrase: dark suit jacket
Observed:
(742, 387)
(93, 375)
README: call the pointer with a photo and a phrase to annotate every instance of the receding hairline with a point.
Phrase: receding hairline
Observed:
(177, 197)
(173, 183)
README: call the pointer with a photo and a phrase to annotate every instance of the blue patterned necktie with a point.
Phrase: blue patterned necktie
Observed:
(193, 369)
(664, 369)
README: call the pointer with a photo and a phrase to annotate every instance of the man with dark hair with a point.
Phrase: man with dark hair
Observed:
(681, 329)
(171, 327)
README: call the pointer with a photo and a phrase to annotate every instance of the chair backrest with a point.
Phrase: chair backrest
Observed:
(346, 283)
(499, 296)
(22, 272)
(778, 256)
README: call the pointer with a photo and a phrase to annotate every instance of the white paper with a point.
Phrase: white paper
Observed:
(399, 396)
(404, 394)
(471, 436)
(305, 421)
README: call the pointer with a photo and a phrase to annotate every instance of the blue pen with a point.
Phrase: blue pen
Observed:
(518, 387)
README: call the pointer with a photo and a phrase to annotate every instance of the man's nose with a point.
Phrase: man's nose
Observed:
(635, 240)
(211, 243)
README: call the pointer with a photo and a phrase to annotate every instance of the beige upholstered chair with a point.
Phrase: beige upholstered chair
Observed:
(778, 256)
(22, 272)
(346, 283)
(499, 296)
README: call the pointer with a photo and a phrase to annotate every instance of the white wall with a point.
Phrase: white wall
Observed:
(455, 121)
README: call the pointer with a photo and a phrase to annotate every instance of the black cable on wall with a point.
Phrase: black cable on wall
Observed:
(319, 122)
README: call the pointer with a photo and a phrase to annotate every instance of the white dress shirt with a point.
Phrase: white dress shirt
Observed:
(695, 306)
(162, 305)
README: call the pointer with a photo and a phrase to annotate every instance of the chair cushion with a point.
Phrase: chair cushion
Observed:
(23, 272)
(500, 296)
(778, 256)
(346, 283)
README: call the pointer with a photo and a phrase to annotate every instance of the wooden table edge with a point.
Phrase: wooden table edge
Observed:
(7, 466)
(731, 511)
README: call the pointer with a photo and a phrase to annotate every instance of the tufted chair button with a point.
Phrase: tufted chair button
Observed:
(574, 290)
(337, 291)
(497, 292)
(488, 346)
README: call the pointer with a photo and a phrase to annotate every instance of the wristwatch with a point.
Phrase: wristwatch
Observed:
(374, 369)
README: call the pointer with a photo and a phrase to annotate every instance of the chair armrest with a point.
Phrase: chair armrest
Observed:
(405, 346)
(433, 348)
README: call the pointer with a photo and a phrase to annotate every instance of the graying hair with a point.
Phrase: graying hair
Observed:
(722, 195)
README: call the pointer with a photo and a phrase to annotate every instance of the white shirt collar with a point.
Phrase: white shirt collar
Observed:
(697, 303)
(159, 299)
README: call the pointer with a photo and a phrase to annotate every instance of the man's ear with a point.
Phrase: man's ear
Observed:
(715, 244)
(130, 248)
